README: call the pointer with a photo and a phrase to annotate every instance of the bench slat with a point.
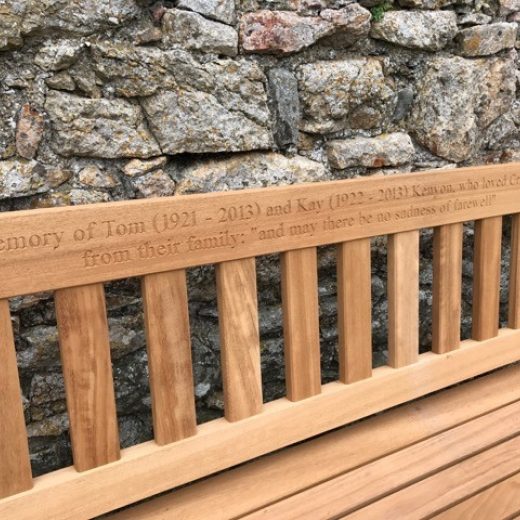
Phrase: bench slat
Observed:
(354, 310)
(500, 501)
(353, 490)
(239, 338)
(486, 277)
(403, 298)
(15, 467)
(295, 469)
(448, 487)
(87, 370)
(168, 341)
(301, 323)
(514, 276)
(447, 281)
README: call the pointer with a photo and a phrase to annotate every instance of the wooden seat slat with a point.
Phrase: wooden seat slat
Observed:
(354, 310)
(299, 273)
(15, 467)
(514, 274)
(500, 502)
(87, 371)
(165, 301)
(447, 291)
(403, 298)
(239, 338)
(295, 469)
(486, 277)
(434, 494)
(353, 490)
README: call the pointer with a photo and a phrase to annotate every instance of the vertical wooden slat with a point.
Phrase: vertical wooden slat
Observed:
(514, 275)
(486, 277)
(15, 467)
(447, 281)
(165, 299)
(301, 323)
(354, 310)
(239, 338)
(403, 298)
(85, 355)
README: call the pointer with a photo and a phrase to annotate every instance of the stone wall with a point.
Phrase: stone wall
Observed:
(117, 99)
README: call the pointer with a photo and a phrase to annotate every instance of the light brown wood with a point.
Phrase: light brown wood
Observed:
(64, 247)
(446, 488)
(15, 467)
(87, 370)
(148, 469)
(299, 273)
(239, 338)
(447, 282)
(299, 467)
(168, 341)
(486, 277)
(354, 310)
(514, 274)
(354, 489)
(403, 298)
(500, 501)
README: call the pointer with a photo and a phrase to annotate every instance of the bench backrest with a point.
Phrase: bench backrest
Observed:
(73, 250)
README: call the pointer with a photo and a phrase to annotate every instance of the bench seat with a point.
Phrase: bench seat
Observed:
(455, 454)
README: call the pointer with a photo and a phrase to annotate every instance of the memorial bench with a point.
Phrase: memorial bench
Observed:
(395, 452)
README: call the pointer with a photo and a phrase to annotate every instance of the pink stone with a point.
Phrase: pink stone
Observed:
(29, 131)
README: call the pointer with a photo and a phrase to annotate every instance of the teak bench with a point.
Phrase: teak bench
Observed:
(454, 454)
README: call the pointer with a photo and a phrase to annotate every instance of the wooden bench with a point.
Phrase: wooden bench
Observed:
(453, 454)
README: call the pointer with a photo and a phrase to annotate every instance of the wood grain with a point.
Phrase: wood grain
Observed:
(387, 475)
(148, 469)
(447, 287)
(168, 342)
(403, 298)
(15, 466)
(448, 487)
(239, 338)
(499, 501)
(47, 249)
(87, 370)
(514, 274)
(486, 277)
(354, 310)
(297, 468)
(299, 273)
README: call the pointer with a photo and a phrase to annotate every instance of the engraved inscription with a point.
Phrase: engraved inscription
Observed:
(183, 230)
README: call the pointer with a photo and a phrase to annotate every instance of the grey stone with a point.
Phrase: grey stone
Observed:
(77, 17)
(352, 93)
(11, 16)
(474, 19)
(61, 81)
(425, 4)
(10, 105)
(97, 178)
(428, 30)
(220, 10)
(484, 40)
(137, 167)
(351, 24)
(229, 114)
(192, 31)
(456, 98)
(404, 103)
(58, 55)
(509, 6)
(154, 184)
(283, 96)
(148, 35)
(98, 127)
(384, 150)
(247, 171)
(20, 178)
